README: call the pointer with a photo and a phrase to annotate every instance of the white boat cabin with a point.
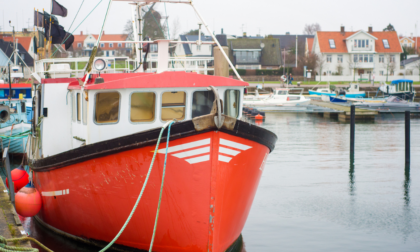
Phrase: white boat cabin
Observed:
(126, 104)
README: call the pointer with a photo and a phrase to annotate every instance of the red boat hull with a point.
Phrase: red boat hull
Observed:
(210, 183)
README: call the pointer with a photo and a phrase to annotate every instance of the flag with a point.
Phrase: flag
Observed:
(57, 33)
(38, 18)
(69, 39)
(47, 17)
(58, 9)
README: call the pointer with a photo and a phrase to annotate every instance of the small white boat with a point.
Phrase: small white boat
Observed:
(280, 97)
(351, 92)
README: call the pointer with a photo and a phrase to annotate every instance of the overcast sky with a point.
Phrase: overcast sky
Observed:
(254, 17)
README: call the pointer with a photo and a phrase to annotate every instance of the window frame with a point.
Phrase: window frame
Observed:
(192, 98)
(156, 107)
(111, 45)
(84, 109)
(79, 107)
(94, 107)
(386, 46)
(339, 58)
(186, 104)
(102, 45)
(239, 105)
(119, 45)
(332, 45)
(79, 45)
(329, 56)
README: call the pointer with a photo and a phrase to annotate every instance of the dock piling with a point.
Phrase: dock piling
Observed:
(352, 127)
(407, 138)
(9, 175)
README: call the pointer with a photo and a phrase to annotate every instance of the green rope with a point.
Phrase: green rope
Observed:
(161, 186)
(5, 248)
(77, 27)
(141, 192)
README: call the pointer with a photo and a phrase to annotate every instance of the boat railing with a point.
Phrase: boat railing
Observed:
(76, 66)
(301, 90)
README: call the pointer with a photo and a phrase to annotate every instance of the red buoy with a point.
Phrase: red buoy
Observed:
(20, 178)
(28, 201)
(259, 117)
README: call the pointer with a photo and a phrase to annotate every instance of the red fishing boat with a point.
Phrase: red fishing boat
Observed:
(95, 140)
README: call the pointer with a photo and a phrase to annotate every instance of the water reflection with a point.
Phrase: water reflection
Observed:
(351, 177)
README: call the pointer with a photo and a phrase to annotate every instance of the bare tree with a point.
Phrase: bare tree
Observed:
(339, 69)
(128, 29)
(389, 65)
(353, 66)
(175, 28)
(311, 29)
(320, 64)
(418, 68)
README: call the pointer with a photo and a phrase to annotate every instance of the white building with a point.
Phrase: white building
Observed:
(357, 55)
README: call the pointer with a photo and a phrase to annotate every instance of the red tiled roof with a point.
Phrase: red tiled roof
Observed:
(340, 43)
(105, 37)
(310, 42)
(24, 41)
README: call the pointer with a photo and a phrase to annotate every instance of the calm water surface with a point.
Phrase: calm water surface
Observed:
(311, 199)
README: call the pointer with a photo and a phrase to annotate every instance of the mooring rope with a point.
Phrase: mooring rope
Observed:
(5, 248)
(142, 189)
(161, 186)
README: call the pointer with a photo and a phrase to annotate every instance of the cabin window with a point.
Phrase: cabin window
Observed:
(173, 106)
(73, 105)
(79, 107)
(107, 106)
(142, 107)
(231, 107)
(202, 103)
(2, 93)
(84, 108)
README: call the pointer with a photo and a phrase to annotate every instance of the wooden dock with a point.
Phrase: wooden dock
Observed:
(343, 112)
(10, 225)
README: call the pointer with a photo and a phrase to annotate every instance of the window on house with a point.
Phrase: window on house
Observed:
(202, 103)
(153, 48)
(366, 58)
(119, 45)
(370, 58)
(329, 58)
(107, 106)
(102, 45)
(367, 43)
(173, 106)
(391, 72)
(355, 58)
(142, 107)
(79, 44)
(79, 107)
(363, 43)
(392, 58)
(409, 45)
(332, 43)
(339, 58)
(355, 43)
(111, 45)
(359, 43)
(360, 58)
(386, 44)
(198, 47)
(231, 106)
(381, 59)
(381, 73)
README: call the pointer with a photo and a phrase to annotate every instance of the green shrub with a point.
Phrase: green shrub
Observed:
(241, 72)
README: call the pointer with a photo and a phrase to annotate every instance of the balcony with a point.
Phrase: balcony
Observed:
(362, 49)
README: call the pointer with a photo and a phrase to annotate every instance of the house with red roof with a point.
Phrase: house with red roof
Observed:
(410, 42)
(83, 45)
(361, 53)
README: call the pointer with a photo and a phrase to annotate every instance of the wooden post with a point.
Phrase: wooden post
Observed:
(407, 138)
(9, 175)
(352, 127)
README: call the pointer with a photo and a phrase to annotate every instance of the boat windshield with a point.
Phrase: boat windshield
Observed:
(282, 92)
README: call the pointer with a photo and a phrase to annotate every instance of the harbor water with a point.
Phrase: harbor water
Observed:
(311, 198)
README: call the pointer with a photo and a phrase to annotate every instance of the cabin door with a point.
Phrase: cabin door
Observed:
(361, 71)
